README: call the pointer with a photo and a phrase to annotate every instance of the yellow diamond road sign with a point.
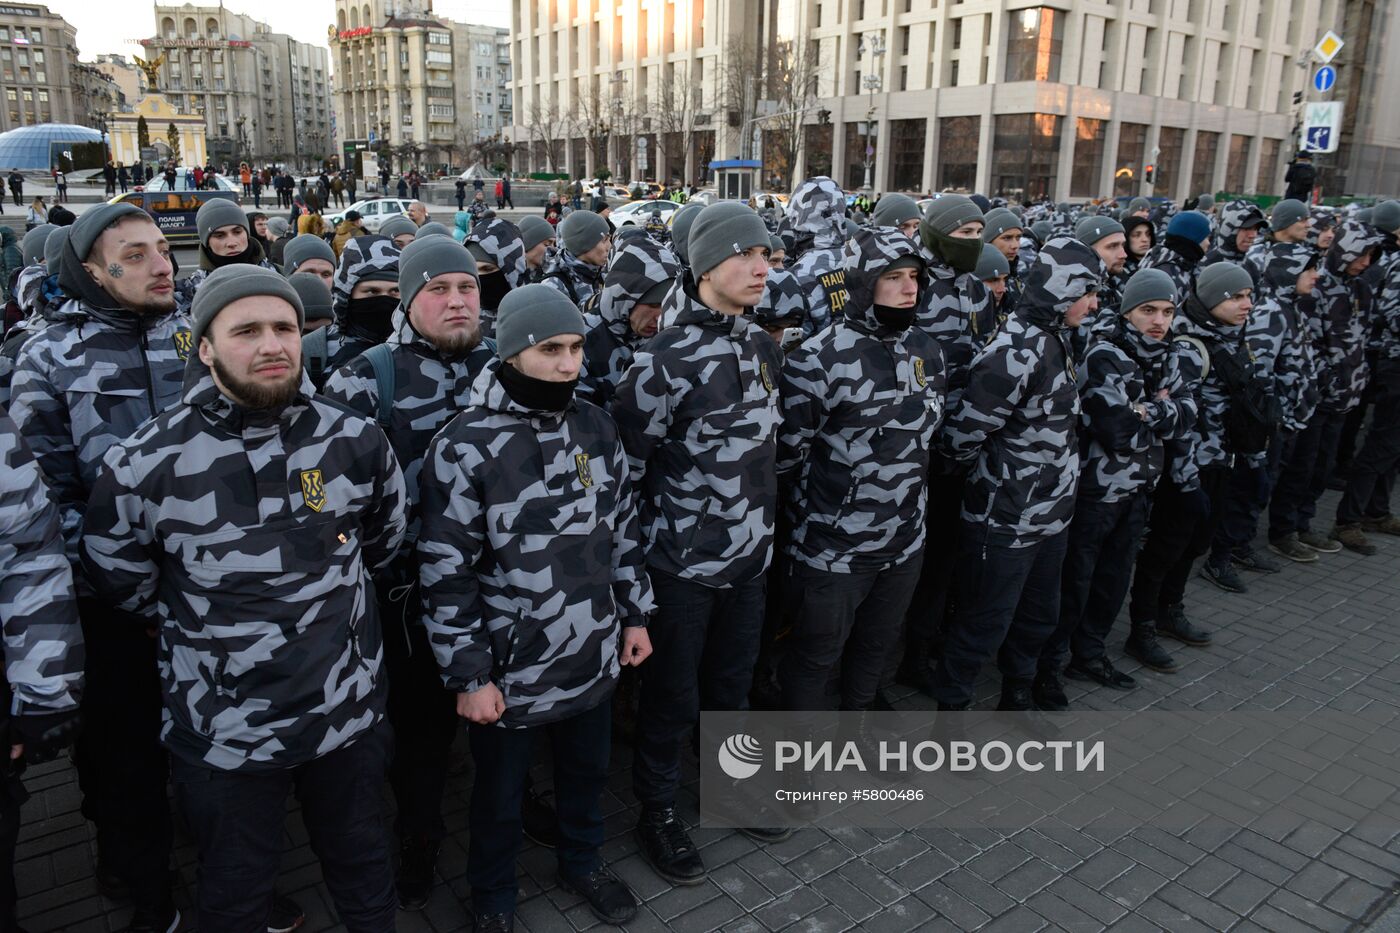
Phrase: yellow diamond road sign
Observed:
(1328, 46)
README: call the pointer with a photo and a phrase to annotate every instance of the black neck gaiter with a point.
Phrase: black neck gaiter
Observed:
(373, 316)
(494, 286)
(536, 394)
(895, 318)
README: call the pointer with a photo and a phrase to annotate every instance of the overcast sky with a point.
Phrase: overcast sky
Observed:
(107, 27)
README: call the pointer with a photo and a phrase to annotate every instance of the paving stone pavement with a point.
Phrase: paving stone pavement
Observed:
(1319, 635)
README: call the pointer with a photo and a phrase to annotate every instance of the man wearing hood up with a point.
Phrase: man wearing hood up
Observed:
(861, 401)
(365, 294)
(502, 264)
(783, 308)
(628, 314)
(816, 215)
(225, 239)
(1240, 223)
(1017, 423)
(243, 525)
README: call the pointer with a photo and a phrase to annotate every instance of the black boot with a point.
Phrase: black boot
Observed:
(417, 870)
(1173, 624)
(1048, 692)
(1018, 697)
(1144, 647)
(668, 848)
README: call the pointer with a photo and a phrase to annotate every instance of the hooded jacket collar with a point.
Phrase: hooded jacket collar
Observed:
(868, 254)
(1196, 320)
(200, 392)
(683, 307)
(817, 209)
(1064, 271)
(502, 241)
(638, 264)
(1118, 329)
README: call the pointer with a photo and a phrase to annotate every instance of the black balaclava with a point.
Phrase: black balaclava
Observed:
(536, 394)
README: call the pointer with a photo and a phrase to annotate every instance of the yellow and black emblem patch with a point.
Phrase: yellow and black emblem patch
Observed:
(585, 472)
(767, 376)
(919, 376)
(313, 489)
(183, 344)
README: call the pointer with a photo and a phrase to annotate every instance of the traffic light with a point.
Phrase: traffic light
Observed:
(1148, 172)
(1297, 98)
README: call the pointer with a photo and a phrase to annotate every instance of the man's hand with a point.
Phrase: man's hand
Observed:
(483, 706)
(636, 645)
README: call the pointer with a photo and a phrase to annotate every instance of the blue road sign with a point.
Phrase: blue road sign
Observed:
(1324, 78)
(1319, 138)
(372, 137)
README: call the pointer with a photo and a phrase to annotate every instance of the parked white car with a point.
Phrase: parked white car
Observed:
(373, 212)
(636, 212)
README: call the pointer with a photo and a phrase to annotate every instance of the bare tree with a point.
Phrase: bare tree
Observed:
(794, 72)
(592, 119)
(549, 128)
(678, 104)
(742, 85)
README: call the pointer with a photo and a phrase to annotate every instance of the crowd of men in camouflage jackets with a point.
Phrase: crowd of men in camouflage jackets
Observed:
(752, 467)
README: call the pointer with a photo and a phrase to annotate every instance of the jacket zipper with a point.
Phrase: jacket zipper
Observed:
(146, 367)
(220, 667)
(695, 532)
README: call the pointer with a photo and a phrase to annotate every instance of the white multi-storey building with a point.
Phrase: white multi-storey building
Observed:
(1064, 98)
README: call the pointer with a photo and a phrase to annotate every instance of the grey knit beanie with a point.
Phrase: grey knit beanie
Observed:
(998, 221)
(277, 227)
(1286, 213)
(315, 295)
(432, 228)
(1042, 230)
(992, 264)
(426, 258)
(53, 248)
(397, 226)
(775, 243)
(1218, 281)
(93, 223)
(227, 284)
(680, 230)
(532, 314)
(895, 210)
(217, 213)
(534, 230)
(1205, 202)
(722, 230)
(302, 247)
(950, 212)
(32, 246)
(1147, 285)
(1384, 217)
(1093, 228)
(1139, 204)
(581, 231)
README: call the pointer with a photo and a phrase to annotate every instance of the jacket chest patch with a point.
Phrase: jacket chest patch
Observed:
(313, 490)
(766, 374)
(183, 343)
(919, 376)
(585, 472)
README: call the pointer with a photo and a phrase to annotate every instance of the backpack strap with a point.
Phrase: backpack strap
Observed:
(316, 352)
(568, 281)
(381, 360)
(1200, 346)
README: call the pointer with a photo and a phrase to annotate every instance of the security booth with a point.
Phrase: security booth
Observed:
(736, 179)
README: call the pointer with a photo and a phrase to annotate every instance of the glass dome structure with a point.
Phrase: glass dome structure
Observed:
(39, 147)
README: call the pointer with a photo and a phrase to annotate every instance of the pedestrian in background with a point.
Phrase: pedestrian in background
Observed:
(37, 214)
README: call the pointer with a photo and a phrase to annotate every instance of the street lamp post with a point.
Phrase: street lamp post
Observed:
(872, 83)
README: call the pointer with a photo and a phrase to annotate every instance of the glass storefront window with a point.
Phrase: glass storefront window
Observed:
(1033, 44)
(1088, 158)
(1025, 155)
(957, 152)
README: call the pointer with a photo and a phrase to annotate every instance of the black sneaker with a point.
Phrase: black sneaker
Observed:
(767, 834)
(1020, 699)
(1290, 547)
(538, 818)
(1250, 559)
(149, 920)
(285, 916)
(1320, 543)
(1174, 624)
(1102, 672)
(1048, 693)
(608, 898)
(1224, 577)
(667, 847)
(1144, 647)
(493, 923)
(1353, 539)
(417, 872)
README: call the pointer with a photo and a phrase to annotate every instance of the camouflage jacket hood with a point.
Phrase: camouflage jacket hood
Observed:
(698, 415)
(249, 539)
(817, 209)
(501, 240)
(783, 300)
(1234, 217)
(1278, 335)
(1063, 272)
(362, 256)
(957, 311)
(429, 390)
(530, 554)
(610, 344)
(861, 403)
(575, 279)
(816, 215)
(1344, 309)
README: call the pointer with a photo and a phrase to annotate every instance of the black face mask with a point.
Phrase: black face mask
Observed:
(373, 316)
(536, 394)
(494, 286)
(251, 255)
(895, 318)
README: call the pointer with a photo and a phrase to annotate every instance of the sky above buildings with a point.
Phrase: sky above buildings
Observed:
(106, 27)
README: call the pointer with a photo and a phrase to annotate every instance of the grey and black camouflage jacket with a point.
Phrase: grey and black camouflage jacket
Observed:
(29, 295)
(530, 554)
(429, 390)
(1278, 336)
(816, 215)
(638, 264)
(1019, 417)
(38, 606)
(344, 339)
(861, 402)
(1178, 258)
(1122, 452)
(501, 240)
(1344, 310)
(249, 539)
(1206, 447)
(1234, 217)
(1386, 336)
(573, 278)
(956, 310)
(698, 414)
(88, 381)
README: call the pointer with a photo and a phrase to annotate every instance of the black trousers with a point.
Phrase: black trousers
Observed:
(1008, 604)
(122, 767)
(931, 601)
(1180, 529)
(237, 821)
(1372, 469)
(1246, 496)
(704, 644)
(846, 619)
(423, 714)
(580, 746)
(1303, 479)
(1103, 540)
(12, 797)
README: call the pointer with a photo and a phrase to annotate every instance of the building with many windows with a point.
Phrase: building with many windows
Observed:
(1065, 99)
(38, 54)
(264, 96)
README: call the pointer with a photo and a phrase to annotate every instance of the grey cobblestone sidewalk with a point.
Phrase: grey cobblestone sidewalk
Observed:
(1319, 635)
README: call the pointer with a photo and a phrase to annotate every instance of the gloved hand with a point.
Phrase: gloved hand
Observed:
(44, 733)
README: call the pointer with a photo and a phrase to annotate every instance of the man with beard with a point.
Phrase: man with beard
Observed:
(364, 294)
(434, 355)
(224, 240)
(628, 314)
(242, 525)
(501, 264)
